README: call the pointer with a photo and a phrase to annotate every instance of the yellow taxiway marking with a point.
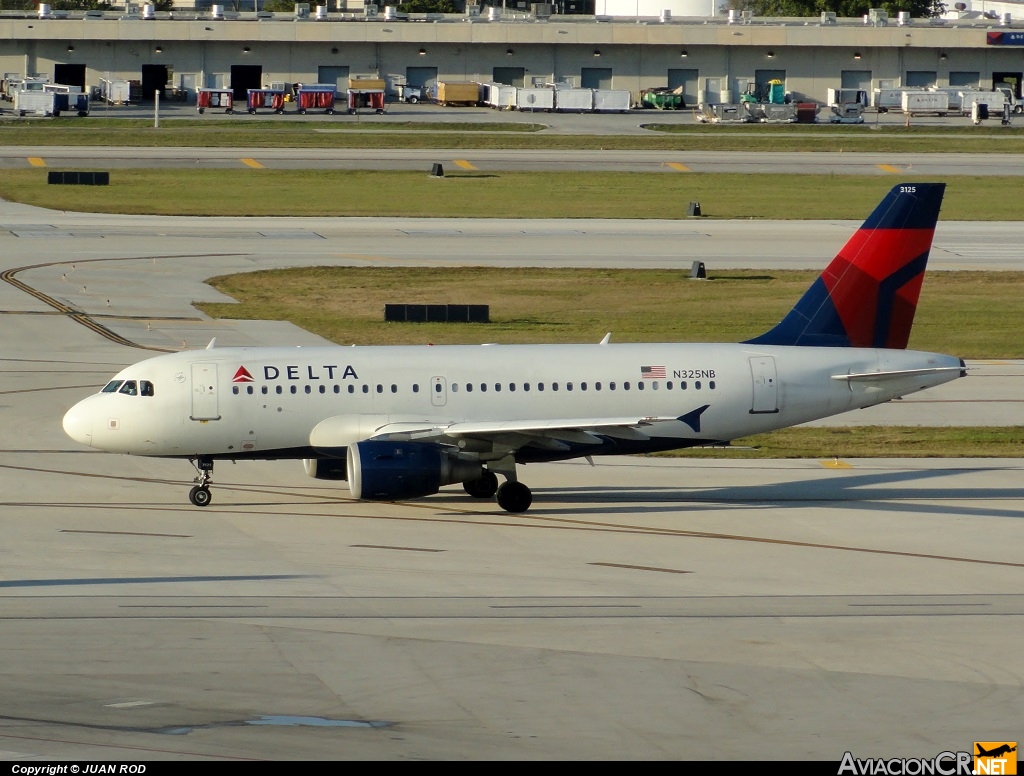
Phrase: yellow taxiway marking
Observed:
(252, 163)
(835, 463)
(678, 166)
(888, 168)
(464, 164)
(37, 161)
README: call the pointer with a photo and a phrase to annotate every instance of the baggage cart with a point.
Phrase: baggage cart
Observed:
(272, 99)
(67, 100)
(309, 96)
(366, 98)
(208, 97)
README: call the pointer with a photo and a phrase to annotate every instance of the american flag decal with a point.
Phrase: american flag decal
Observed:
(652, 372)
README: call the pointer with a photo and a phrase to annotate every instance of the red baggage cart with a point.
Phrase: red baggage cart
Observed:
(215, 98)
(366, 98)
(265, 98)
(310, 96)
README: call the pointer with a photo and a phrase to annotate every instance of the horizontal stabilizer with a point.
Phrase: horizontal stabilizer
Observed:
(877, 377)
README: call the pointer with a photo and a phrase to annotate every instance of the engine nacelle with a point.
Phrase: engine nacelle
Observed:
(325, 468)
(389, 471)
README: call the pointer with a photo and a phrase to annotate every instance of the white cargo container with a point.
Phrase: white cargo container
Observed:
(115, 91)
(915, 103)
(36, 102)
(539, 98)
(501, 96)
(888, 99)
(993, 99)
(580, 100)
(612, 100)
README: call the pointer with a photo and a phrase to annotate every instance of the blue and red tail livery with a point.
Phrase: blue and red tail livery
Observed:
(867, 296)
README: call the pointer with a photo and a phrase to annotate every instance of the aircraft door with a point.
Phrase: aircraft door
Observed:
(766, 385)
(438, 391)
(204, 392)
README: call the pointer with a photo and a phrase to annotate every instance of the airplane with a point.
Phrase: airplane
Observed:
(999, 750)
(400, 422)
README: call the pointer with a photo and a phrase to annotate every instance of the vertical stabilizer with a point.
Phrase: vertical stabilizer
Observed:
(867, 296)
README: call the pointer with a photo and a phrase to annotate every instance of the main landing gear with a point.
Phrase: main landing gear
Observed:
(513, 496)
(200, 494)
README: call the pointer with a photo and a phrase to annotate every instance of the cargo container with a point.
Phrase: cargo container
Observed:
(366, 98)
(993, 99)
(37, 102)
(500, 96)
(918, 102)
(457, 93)
(579, 100)
(612, 100)
(116, 91)
(535, 98)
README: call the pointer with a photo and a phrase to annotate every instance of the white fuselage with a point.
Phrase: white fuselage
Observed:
(266, 402)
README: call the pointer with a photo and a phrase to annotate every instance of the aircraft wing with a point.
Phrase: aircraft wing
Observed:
(553, 433)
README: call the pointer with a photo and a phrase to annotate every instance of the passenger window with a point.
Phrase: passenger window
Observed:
(497, 387)
(112, 386)
(625, 386)
(668, 386)
(554, 386)
(483, 387)
(568, 386)
(263, 390)
(366, 389)
(279, 389)
(351, 388)
(469, 387)
(323, 389)
(611, 386)
(640, 386)
(583, 386)
(415, 387)
(597, 386)
(250, 390)
(394, 388)
(295, 389)
(711, 385)
(380, 388)
(540, 386)
(146, 387)
(696, 385)
(526, 386)
(130, 388)
(309, 389)
(234, 390)
(337, 389)
(455, 387)
(682, 385)
(511, 386)
(654, 385)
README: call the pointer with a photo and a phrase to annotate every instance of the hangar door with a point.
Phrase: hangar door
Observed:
(244, 78)
(422, 77)
(334, 74)
(596, 78)
(154, 79)
(686, 79)
(510, 76)
(70, 75)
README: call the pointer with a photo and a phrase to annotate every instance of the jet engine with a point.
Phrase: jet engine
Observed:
(325, 468)
(389, 471)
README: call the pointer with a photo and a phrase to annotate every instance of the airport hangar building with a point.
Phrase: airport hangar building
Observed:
(635, 45)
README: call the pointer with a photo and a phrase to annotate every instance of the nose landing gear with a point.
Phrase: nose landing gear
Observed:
(200, 494)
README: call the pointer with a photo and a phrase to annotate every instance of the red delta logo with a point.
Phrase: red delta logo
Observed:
(242, 376)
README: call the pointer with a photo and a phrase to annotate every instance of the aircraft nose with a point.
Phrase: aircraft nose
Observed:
(78, 424)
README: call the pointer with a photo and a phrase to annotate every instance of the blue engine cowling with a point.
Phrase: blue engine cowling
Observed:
(389, 471)
(326, 468)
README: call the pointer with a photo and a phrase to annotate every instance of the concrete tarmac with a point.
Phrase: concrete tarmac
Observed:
(644, 609)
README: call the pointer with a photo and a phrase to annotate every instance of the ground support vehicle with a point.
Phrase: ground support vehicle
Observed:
(309, 96)
(271, 99)
(209, 97)
(410, 94)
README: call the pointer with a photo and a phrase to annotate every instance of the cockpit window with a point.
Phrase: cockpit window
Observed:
(112, 386)
(145, 387)
(129, 388)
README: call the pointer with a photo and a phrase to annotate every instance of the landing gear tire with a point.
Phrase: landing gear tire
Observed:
(200, 496)
(514, 497)
(484, 487)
